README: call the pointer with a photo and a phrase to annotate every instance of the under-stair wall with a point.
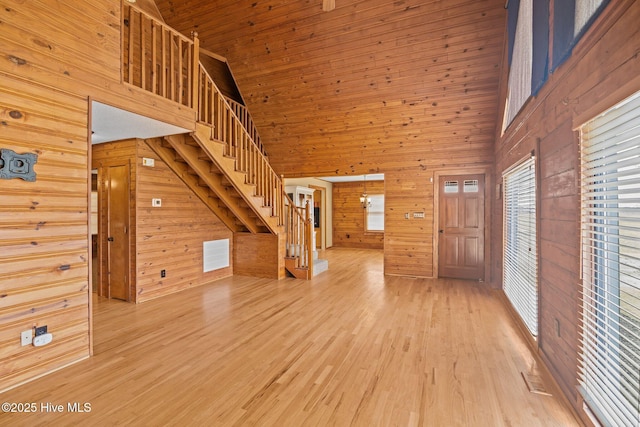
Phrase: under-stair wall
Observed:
(259, 255)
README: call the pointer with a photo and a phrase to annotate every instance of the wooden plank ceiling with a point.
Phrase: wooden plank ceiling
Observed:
(373, 85)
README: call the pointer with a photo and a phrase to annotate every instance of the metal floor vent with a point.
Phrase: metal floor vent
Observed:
(535, 383)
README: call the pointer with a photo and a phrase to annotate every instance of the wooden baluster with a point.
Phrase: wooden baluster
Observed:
(195, 58)
(164, 62)
(206, 95)
(241, 142)
(222, 131)
(131, 45)
(283, 199)
(308, 238)
(229, 127)
(173, 67)
(180, 81)
(154, 58)
(251, 160)
(143, 52)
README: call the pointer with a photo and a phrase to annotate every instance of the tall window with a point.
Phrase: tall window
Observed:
(519, 84)
(610, 249)
(375, 213)
(520, 279)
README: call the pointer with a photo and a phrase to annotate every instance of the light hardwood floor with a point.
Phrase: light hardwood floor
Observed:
(350, 347)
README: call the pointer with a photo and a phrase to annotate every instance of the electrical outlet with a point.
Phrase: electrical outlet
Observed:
(163, 273)
(26, 337)
(41, 330)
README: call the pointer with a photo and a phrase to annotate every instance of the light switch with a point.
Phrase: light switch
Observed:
(156, 203)
(148, 162)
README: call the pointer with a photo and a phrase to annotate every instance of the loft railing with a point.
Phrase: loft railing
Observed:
(243, 114)
(162, 61)
(156, 58)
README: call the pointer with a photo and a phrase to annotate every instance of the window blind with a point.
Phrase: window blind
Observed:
(609, 362)
(375, 213)
(520, 276)
(519, 83)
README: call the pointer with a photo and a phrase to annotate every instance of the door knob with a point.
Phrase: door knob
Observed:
(110, 239)
(440, 231)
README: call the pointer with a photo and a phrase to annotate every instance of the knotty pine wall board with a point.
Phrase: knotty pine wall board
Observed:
(340, 92)
(349, 216)
(171, 237)
(43, 230)
(258, 255)
(409, 242)
(75, 47)
(584, 86)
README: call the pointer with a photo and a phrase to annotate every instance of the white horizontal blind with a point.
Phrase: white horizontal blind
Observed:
(609, 369)
(520, 277)
(375, 213)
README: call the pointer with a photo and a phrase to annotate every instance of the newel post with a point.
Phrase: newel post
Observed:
(196, 74)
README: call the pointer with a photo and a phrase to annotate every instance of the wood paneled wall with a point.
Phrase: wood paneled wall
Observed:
(373, 83)
(259, 255)
(44, 230)
(349, 216)
(602, 71)
(408, 243)
(54, 57)
(372, 86)
(167, 238)
(75, 47)
(170, 237)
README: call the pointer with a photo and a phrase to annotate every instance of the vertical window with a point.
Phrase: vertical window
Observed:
(610, 250)
(520, 277)
(572, 18)
(375, 213)
(585, 9)
(519, 84)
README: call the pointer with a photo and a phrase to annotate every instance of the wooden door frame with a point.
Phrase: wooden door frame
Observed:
(104, 288)
(488, 183)
(323, 215)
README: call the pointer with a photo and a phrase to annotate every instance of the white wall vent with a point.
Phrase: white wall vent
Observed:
(215, 255)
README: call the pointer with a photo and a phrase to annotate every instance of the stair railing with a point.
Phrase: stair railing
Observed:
(247, 121)
(299, 238)
(156, 58)
(160, 60)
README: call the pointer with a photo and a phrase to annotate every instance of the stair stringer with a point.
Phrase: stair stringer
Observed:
(215, 150)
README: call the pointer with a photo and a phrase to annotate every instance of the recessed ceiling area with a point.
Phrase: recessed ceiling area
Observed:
(113, 124)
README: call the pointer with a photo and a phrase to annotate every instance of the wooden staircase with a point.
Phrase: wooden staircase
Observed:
(219, 161)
